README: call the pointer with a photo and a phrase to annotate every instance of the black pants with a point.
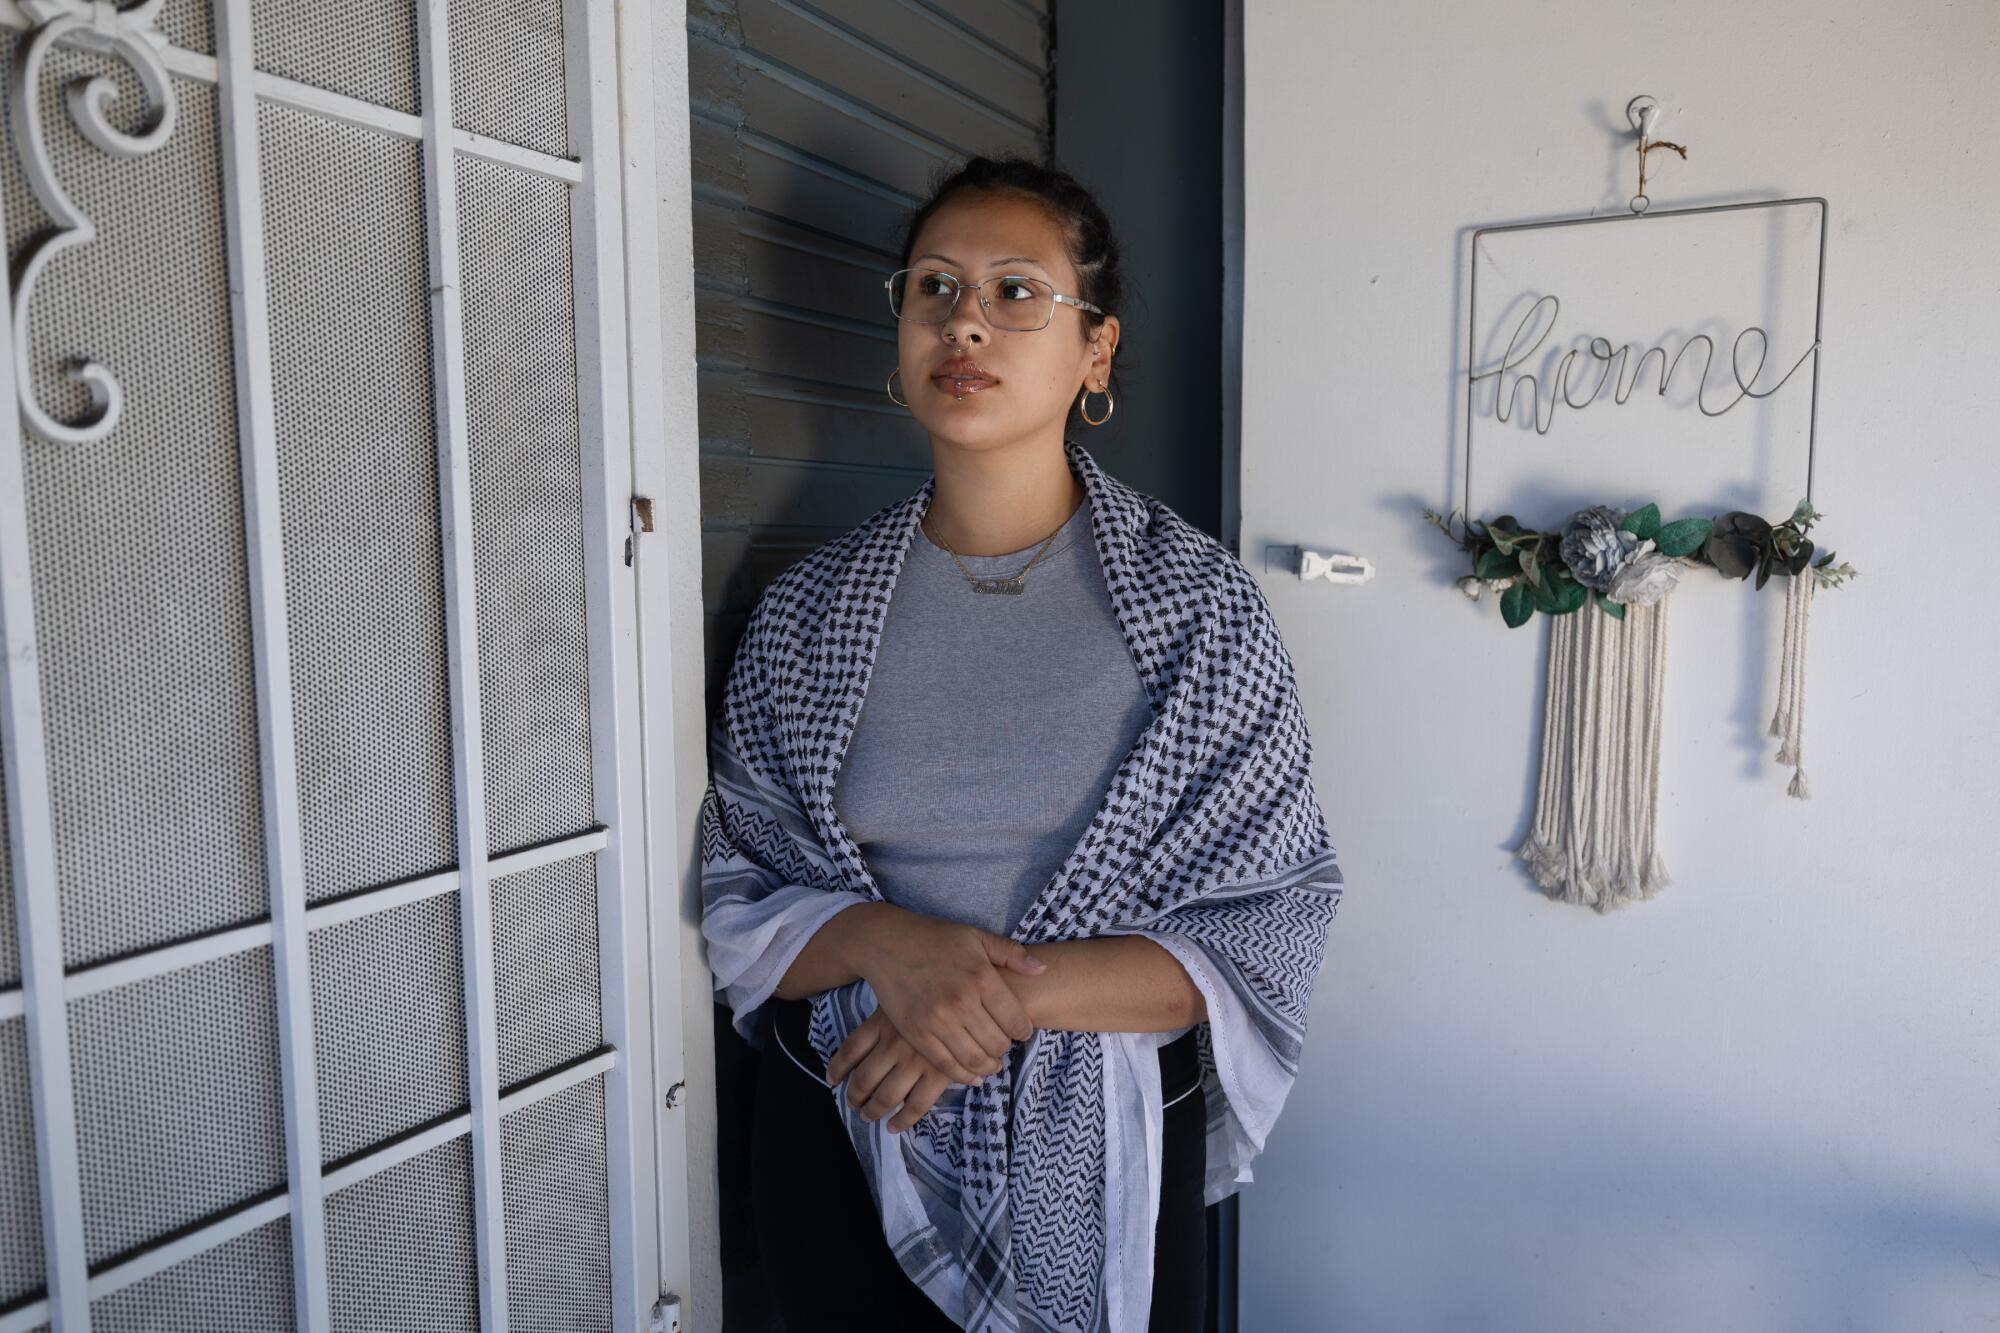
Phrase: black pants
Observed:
(820, 1236)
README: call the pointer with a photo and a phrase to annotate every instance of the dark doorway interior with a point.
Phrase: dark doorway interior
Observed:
(1139, 119)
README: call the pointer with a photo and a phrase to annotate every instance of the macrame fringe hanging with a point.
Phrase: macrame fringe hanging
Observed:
(1788, 722)
(1598, 797)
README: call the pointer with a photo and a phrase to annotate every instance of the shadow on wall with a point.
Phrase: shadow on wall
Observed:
(1907, 1255)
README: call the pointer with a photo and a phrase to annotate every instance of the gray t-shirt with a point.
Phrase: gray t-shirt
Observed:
(991, 727)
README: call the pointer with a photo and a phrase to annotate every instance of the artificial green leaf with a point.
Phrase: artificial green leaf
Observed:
(1733, 555)
(1643, 523)
(1495, 564)
(1683, 538)
(1515, 607)
(1570, 596)
(1799, 558)
(1747, 526)
(1610, 608)
(1531, 565)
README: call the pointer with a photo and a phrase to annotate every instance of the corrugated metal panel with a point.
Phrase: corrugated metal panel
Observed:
(816, 128)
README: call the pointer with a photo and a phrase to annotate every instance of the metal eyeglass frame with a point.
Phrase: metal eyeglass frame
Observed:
(958, 289)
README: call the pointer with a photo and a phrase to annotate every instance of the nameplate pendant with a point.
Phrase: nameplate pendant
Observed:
(1011, 585)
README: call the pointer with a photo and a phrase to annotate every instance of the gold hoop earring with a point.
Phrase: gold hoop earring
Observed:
(1083, 410)
(892, 393)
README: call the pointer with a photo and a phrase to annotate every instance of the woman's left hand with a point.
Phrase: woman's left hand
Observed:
(886, 1072)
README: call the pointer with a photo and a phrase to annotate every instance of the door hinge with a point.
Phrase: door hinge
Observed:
(641, 521)
(667, 1315)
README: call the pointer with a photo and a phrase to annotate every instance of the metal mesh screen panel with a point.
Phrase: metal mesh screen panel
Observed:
(507, 72)
(10, 945)
(399, 1246)
(245, 1283)
(139, 562)
(520, 365)
(189, 24)
(558, 1227)
(363, 48)
(548, 1008)
(350, 361)
(177, 1099)
(389, 1021)
(20, 1207)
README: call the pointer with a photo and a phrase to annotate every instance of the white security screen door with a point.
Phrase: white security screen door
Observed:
(318, 698)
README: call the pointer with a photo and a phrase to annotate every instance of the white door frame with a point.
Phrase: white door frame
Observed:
(659, 213)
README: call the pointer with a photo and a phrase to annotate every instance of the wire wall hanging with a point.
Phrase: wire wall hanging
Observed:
(1605, 573)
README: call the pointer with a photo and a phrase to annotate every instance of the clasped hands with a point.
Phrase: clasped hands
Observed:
(945, 1013)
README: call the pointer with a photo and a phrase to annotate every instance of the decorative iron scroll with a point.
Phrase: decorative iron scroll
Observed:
(127, 34)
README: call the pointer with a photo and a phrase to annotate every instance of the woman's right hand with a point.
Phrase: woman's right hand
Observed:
(936, 982)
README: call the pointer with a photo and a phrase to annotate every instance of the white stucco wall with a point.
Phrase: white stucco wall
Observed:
(1769, 1099)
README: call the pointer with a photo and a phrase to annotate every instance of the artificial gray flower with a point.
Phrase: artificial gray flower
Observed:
(1595, 548)
(1644, 578)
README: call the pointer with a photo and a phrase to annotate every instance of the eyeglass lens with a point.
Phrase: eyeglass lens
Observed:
(925, 296)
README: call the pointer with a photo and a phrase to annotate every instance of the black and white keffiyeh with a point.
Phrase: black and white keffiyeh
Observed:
(1032, 1204)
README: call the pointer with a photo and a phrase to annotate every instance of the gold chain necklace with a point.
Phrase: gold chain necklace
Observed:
(1013, 583)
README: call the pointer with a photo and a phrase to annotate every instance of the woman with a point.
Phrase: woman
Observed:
(1025, 703)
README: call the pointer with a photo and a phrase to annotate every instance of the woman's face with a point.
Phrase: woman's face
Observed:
(1024, 382)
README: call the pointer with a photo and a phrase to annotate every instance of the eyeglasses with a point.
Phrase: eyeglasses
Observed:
(1021, 304)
